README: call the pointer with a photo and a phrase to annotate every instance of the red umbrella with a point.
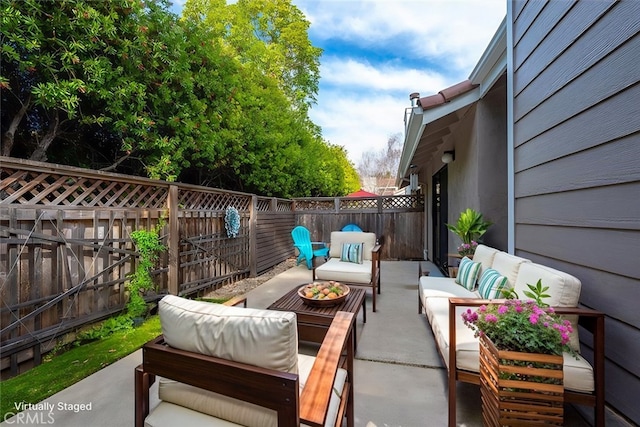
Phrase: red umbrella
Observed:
(362, 193)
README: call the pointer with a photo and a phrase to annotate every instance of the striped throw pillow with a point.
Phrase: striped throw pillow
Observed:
(491, 284)
(352, 252)
(467, 273)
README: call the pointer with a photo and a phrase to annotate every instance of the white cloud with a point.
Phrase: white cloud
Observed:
(455, 30)
(358, 75)
(414, 46)
(359, 125)
(360, 105)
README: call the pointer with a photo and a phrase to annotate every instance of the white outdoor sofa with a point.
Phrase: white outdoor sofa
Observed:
(443, 301)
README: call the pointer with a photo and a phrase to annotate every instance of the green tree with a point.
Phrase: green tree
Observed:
(217, 97)
(272, 35)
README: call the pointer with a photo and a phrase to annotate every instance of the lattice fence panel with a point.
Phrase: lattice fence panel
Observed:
(315, 204)
(357, 204)
(263, 205)
(28, 187)
(403, 202)
(284, 206)
(212, 201)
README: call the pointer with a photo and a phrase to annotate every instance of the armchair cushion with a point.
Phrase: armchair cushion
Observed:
(347, 272)
(169, 414)
(338, 238)
(243, 413)
(264, 338)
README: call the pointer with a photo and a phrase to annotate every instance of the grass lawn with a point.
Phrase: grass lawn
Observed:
(72, 366)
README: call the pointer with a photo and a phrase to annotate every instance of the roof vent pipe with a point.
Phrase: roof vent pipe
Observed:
(414, 99)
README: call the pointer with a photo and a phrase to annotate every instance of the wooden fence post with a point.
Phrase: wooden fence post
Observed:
(253, 231)
(173, 241)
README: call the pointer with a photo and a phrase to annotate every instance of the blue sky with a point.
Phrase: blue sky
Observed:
(377, 52)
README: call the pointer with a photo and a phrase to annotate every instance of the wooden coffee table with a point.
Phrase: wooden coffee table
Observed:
(313, 322)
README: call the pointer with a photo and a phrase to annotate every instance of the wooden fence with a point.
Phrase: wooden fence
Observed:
(66, 251)
(398, 221)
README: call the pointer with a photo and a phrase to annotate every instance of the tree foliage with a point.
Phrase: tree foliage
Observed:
(125, 85)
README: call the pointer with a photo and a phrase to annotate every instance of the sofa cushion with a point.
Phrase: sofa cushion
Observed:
(467, 273)
(265, 338)
(564, 289)
(484, 255)
(237, 411)
(338, 238)
(508, 265)
(352, 252)
(467, 344)
(346, 272)
(492, 284)
(432, 286)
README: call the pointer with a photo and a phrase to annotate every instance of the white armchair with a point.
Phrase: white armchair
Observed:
(350, 264)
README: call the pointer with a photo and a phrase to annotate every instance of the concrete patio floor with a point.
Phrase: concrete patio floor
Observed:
(399, 377)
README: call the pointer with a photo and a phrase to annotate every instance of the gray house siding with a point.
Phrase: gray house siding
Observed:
(478, 176)
(492, 155)
(576, 183)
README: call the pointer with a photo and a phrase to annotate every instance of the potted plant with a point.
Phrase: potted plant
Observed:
(521, 357)
(469, 227)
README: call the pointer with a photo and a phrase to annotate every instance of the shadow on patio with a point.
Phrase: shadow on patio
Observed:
(399, 377)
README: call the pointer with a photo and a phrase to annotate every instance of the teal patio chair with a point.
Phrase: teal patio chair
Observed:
(351, 227)
(302, 242)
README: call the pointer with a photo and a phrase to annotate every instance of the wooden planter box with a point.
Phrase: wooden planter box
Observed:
(529, 394)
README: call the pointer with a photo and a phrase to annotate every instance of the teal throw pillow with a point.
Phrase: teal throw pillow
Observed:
(352, 252)
(491, 284)
(468, 273)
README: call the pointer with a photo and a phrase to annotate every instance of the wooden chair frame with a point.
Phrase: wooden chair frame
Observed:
(264, 387)
(591, 320)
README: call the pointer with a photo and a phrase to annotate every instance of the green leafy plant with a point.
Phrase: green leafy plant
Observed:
(470, 226)
(149, 246)
(105, 329)
(536, 293)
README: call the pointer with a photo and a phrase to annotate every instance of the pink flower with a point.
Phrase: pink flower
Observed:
(503, 309)
(533, 319)
(491, 318)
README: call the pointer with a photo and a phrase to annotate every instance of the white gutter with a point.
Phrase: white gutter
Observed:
(413, 132)
(493, 62)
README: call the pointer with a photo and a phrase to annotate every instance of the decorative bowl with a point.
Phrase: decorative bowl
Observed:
(311, 293)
